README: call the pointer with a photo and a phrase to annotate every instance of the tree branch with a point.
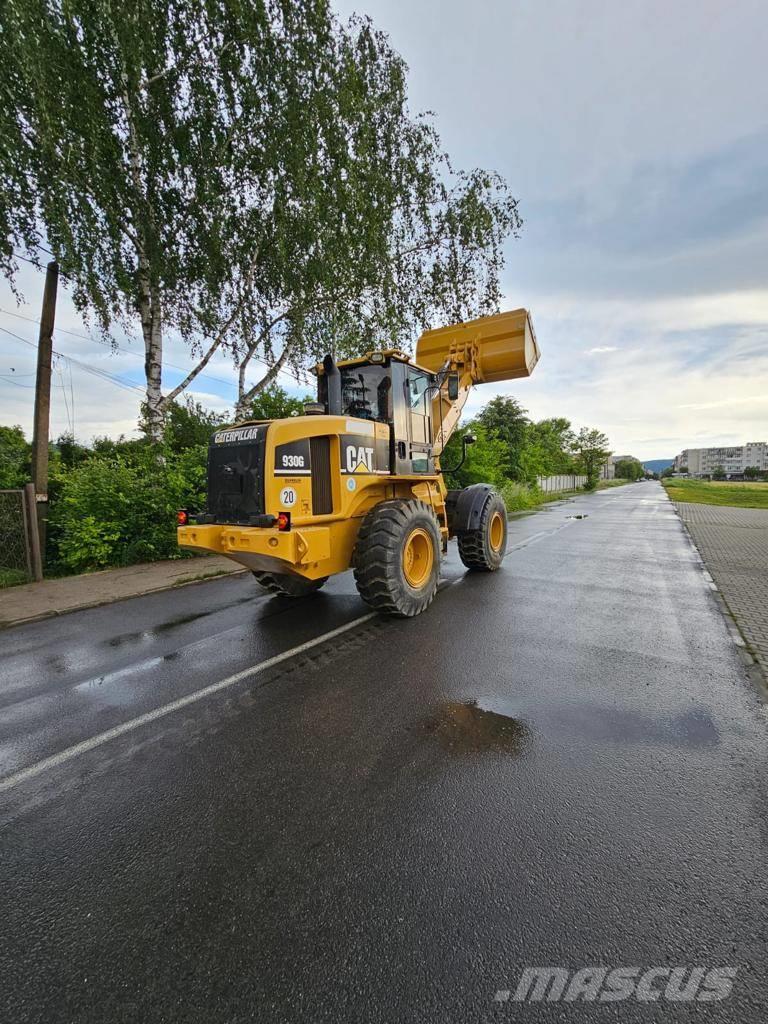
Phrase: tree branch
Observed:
(269, 376)
(174, 394)
(221, 335)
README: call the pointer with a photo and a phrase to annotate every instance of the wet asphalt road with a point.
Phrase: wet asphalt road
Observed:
(563, 763)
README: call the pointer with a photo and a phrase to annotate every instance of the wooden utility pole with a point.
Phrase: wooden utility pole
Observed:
(43, 400)
(32, 532)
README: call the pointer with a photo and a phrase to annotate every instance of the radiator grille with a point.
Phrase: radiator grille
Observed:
(320, 459)
(236, 478)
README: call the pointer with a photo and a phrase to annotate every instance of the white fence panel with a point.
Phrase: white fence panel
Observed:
(563, 482)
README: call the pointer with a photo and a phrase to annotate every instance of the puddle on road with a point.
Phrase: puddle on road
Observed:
(127, 638)
(183, 620)
(581, 515)
(605, 724)
(471, 727)
(108, 688)
(465, 727)
(164, 627)
(146, 635)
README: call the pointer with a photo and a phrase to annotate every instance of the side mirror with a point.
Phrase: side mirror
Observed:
(469, 439)
(453, 387)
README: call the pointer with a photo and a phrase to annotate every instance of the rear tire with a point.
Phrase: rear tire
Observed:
(285, 584)
(483, 549)
(397, 557)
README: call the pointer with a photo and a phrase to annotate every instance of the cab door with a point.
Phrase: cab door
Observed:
(418, 399)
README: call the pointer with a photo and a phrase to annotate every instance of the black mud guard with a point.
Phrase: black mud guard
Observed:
(465, 506)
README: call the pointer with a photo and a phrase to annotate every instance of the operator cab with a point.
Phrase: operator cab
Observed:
(388, 388)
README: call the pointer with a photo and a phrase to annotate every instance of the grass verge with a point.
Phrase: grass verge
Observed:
(12, 577)
(717, 492)
(605, 484)
(519, 497)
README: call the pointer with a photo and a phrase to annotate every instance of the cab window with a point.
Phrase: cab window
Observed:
(366, 392)
(418, 385)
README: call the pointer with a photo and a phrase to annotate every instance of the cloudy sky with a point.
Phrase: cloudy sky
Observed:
(635, 135)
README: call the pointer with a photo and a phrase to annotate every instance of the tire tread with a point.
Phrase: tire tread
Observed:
(377, 554)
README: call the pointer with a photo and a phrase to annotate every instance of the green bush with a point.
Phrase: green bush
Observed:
(120, 509)
(519, 496)
(484, 462)
(14, 458)
(113, 503)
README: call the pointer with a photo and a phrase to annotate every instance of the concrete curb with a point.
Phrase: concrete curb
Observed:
(55, 613)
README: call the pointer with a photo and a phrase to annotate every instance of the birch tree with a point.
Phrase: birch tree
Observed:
(247, 176)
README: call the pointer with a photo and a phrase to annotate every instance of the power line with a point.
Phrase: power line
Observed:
(29, 387)
(95, 371)
(104, 374)
(61, 330)
(203, 373)
(18, 256)
(72, 396)
(19, 337)
(64, 396)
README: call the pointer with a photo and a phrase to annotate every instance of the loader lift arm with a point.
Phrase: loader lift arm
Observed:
(483, 351)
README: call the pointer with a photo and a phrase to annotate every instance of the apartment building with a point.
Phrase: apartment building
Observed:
(733, 460)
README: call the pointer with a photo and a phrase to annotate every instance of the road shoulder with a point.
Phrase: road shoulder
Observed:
(34, 601)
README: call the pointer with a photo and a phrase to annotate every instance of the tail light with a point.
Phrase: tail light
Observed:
(283, 520)
(182, 517)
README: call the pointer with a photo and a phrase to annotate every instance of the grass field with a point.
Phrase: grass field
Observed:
(712, 492)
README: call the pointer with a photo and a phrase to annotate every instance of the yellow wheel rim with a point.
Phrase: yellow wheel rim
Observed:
(418, 558)
(496, 531)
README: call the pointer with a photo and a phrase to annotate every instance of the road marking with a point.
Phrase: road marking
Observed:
(535, 537)
(151, 716)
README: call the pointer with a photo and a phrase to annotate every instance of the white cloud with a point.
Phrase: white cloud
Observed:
(686, 371)
(639, 158)
(728, 403)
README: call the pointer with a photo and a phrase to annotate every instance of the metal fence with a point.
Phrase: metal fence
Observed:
(563, 482)
(16, 557)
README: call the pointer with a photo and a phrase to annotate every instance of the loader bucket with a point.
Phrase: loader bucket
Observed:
(494, 348)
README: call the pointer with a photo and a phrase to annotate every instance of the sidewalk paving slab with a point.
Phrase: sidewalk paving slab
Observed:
(733, 543)
(33, 601)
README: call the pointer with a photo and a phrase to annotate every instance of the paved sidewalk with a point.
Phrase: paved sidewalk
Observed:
(734, 545)
(56, 597)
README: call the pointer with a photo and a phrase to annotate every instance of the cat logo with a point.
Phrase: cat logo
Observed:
(359, 459)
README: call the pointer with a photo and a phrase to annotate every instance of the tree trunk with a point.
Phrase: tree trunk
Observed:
(242, 409)
(150, 309)
(152, 330)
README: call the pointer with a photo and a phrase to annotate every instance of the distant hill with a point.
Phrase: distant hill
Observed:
(656, 465)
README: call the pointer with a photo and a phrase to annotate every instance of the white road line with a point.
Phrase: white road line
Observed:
(536, 537)
(151, 716)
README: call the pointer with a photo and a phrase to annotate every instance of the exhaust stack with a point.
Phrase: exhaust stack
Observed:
(333, 378)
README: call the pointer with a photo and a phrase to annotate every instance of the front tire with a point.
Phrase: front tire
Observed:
(483, 549)
(285, 584)
(397, 557)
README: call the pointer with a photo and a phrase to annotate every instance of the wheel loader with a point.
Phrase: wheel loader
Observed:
(357, 481)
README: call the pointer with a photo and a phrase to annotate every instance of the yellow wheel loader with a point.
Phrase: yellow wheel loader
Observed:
(357, 482)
